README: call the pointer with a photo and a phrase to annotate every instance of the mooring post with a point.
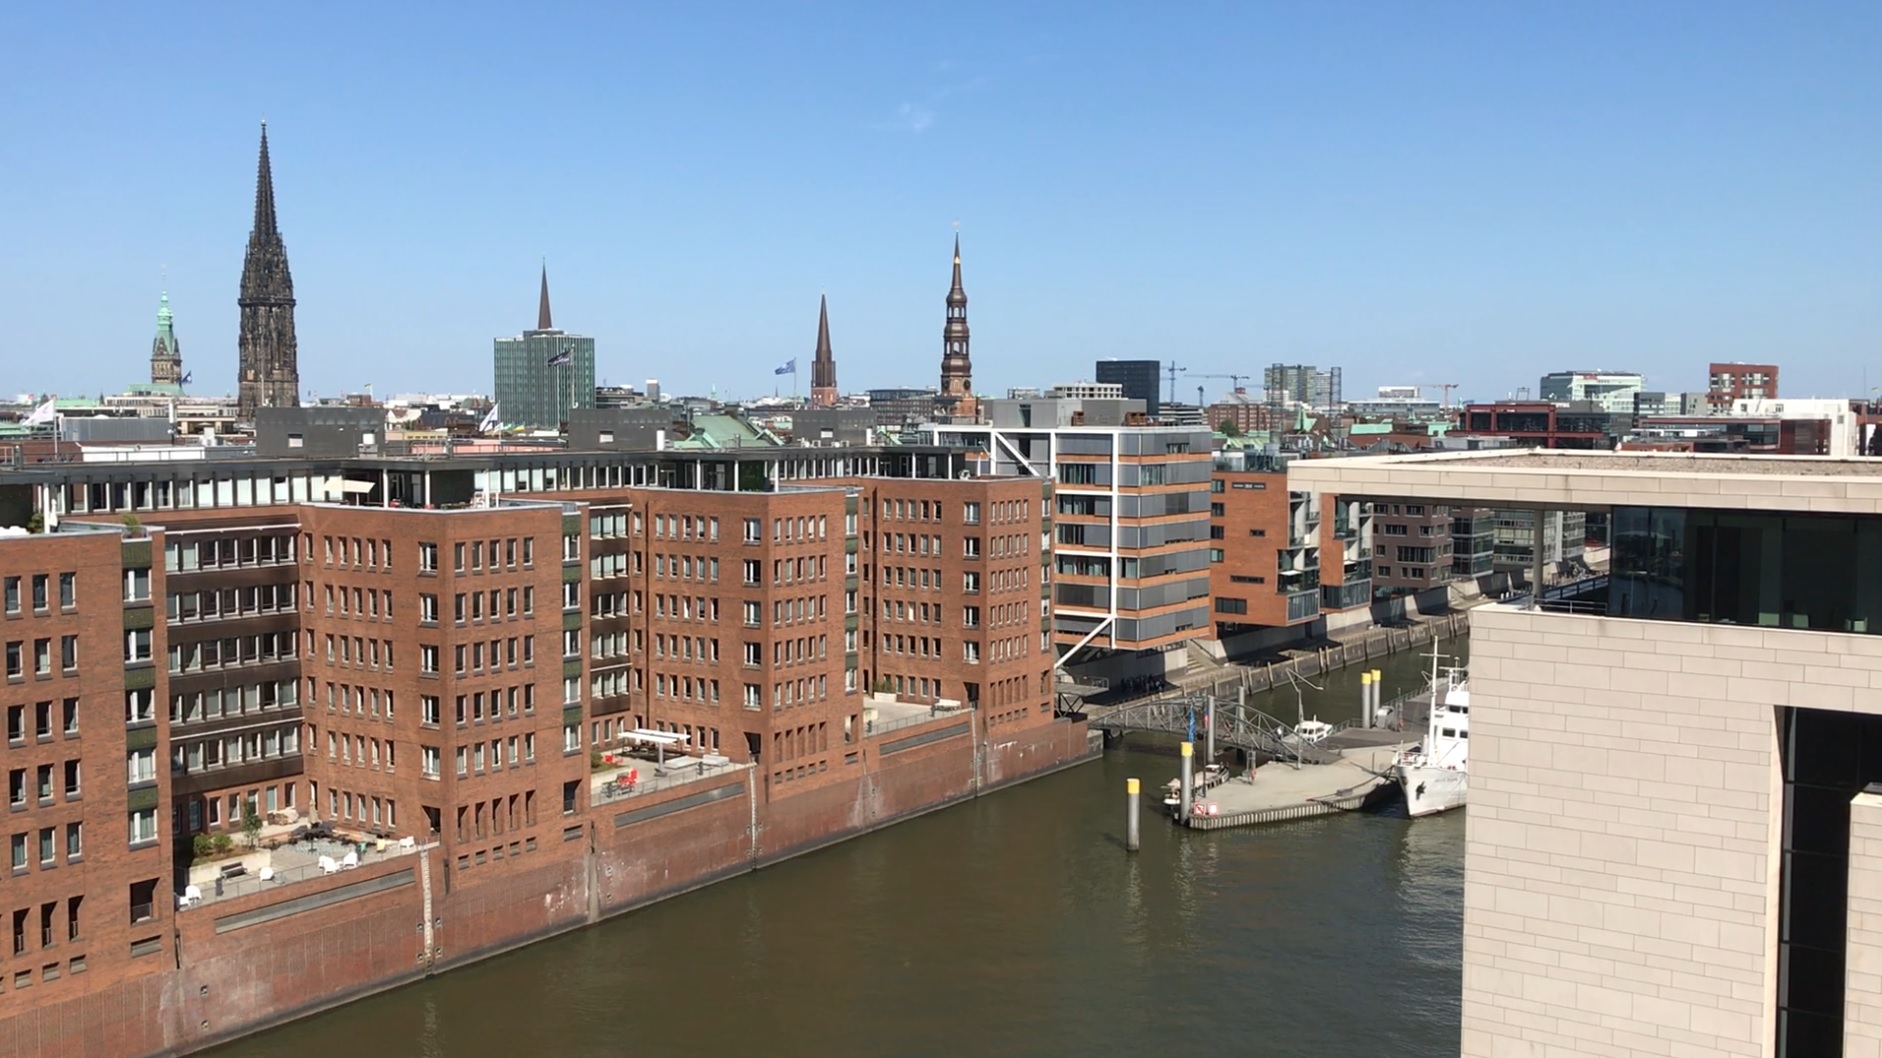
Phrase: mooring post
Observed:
(1209, 729)
(1189, 781)
(1378, 680)
(1365, 698)
(1133, 804)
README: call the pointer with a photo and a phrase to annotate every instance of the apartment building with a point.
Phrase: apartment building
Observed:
(1276, 558)
(1412, 548)
(1673, 835)
(1729, 383)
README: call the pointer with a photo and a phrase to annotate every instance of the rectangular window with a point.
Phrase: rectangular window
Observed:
(68, 590)
(143, 827)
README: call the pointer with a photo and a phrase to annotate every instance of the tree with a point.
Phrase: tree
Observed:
(251, 825)
(1227, 428)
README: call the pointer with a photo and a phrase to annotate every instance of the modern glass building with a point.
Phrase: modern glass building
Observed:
(533, 389)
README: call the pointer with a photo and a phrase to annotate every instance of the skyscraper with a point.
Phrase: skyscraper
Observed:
(166, 356)
(543, 373)
(823, 366)
(957, 367)
(269, 371)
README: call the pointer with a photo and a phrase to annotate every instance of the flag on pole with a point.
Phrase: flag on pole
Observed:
(789, 368)
(45, 413)
(187, 375)
(562, 359)
(491, 421)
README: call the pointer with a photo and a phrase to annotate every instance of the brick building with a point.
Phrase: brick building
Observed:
(1276, 558)
(1727, 384)
(1412, 547)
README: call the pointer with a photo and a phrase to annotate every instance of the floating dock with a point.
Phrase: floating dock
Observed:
(1279, 791)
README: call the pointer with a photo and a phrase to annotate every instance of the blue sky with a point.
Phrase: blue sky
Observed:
(1425, 192)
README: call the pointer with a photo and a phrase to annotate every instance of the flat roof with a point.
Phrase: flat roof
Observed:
(1597, 481)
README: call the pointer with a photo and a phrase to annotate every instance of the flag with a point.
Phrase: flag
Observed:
(491, 421)
(187, 375)
(562, 359)
(789, 368)
(45, 413)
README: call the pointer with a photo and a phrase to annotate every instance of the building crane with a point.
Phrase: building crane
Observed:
(1234, 380)
(1172, 371)
(1444, 387)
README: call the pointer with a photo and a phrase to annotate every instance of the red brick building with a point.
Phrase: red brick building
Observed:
(1731, 382)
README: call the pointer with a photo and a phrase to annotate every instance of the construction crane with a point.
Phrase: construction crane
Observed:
(1234, 380)
(1443, 387)
(1172, 371)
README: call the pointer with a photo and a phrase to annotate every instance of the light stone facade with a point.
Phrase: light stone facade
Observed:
(1625, 829)
(1862, 985)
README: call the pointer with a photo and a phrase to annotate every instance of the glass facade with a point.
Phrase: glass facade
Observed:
(1819, 572)
(533, 392)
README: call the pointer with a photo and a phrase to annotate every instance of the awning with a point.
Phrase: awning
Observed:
(655, 738)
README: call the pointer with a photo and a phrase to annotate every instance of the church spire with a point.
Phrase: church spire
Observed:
(166, 356)
(268, 375)
(957, 366)
(543, 322)
(823, 366)
(264, 189)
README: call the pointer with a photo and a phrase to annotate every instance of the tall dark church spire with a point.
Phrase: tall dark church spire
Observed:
(823, 367)
(957, 367)
(269, 371)
(543, 320)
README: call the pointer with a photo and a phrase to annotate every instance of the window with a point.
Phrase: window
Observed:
(40, 584)
(18, 858)
(457, 557)
(970, 583)
(68, 590)
(754, 654)
(68, 717)
(970, 513)
(970, 652)
(139, 706)
(428, 709)
(136, 585)
(48, 848)
(74, 848)
(13, 595)
(1237, 606)
(428, 609)
(16, 659)
(754, 531)
(752, 614)
(428, 761)
(141, 765)
(144, 829)
(428, 659)
(68, 651)
(428, 558)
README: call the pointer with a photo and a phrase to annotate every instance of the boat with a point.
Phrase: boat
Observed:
(1435, 773)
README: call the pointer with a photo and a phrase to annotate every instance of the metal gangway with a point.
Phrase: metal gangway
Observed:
(1241, 726)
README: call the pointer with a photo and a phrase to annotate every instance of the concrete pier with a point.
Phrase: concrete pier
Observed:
(1278, 793)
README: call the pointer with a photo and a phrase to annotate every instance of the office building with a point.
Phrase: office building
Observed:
(1673, 835)
(1141, 379)
(1304, 384)
(1610, 391)
(543, 374)
(1130, 519)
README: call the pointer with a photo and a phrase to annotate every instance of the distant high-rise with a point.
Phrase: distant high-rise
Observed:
(268, 375)
(166, 356)
(823, 366)
(1140, 379)
(543, 373)
(957, 367)
(1302, 384)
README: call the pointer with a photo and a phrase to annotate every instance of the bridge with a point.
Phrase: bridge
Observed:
(1236, 725)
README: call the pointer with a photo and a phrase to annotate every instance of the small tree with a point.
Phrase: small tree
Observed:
(132, 527)
(1227, 428)
(251, 826)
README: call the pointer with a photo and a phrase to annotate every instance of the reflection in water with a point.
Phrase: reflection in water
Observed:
(1013, 925)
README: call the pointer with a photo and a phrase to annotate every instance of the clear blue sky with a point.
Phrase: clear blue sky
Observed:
(1418, 192)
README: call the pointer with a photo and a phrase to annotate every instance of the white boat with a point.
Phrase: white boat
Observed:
(1435, 773)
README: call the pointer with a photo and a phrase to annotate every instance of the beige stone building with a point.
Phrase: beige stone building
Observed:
(1669, 849)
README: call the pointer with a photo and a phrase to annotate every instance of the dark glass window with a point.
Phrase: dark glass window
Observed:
(1828, 757)
(1771, 570)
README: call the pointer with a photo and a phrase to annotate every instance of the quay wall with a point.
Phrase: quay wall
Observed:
(243, 963)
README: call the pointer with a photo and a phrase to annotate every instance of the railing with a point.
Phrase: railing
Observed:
(1235, 725)
(872, 728)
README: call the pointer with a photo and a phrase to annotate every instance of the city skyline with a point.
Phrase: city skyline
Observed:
(1129, 188)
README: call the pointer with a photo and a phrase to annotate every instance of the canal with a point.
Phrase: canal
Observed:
(1013, 925)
